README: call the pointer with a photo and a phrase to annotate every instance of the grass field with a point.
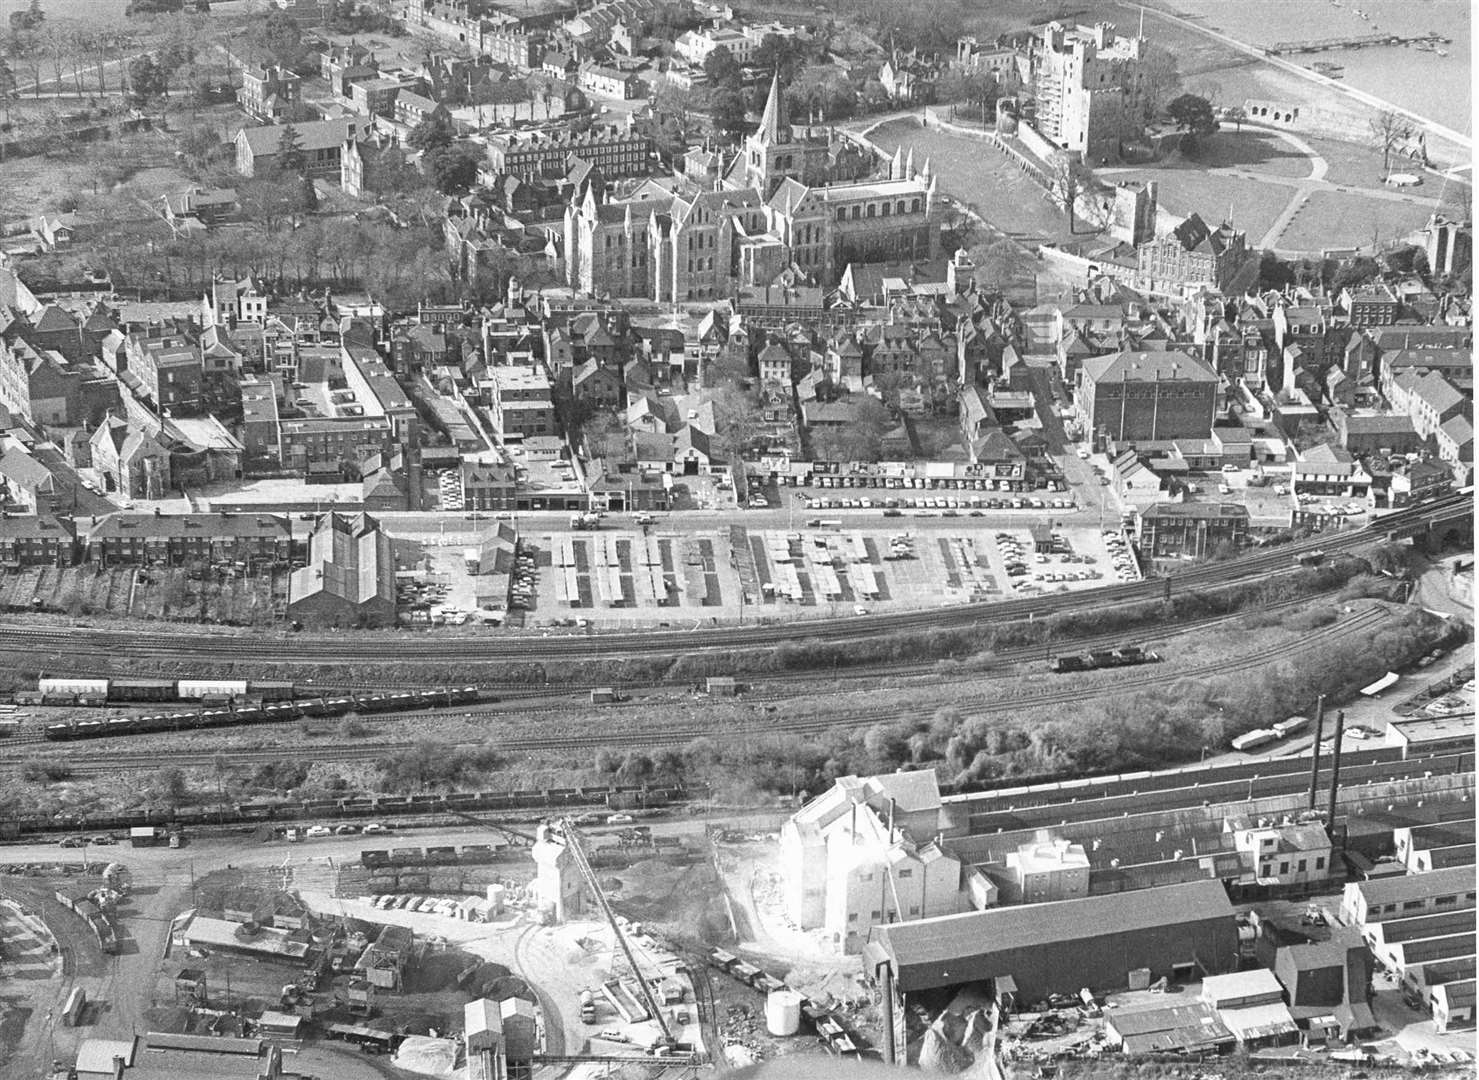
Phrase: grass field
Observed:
(1330, 219)
(979, 175)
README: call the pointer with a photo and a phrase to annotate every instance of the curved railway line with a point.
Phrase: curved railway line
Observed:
(202, 645)
(116, 761)
(509, 696)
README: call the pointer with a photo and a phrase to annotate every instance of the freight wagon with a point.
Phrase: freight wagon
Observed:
(69, 690)
(1099, 659)
(232, 715)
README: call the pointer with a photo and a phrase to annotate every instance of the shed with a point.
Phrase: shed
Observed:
(1173, 1028)
(96, 1058)
(279, 1025)
(482, 1025)
(721, 686)
(520, 1029)
(1042, 538)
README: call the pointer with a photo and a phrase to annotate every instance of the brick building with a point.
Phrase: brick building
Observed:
(1146, 396)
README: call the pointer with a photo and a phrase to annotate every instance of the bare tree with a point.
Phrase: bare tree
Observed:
(1068, 181)
(1160, 79)
(1388, 131)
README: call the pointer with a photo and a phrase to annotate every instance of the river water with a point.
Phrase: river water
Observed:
(1430, 85)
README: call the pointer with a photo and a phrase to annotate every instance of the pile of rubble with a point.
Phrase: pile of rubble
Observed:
(962, 1040)
(739, 1031)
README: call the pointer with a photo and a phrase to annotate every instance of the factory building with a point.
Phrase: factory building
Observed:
(1180, 932)
(869, 852)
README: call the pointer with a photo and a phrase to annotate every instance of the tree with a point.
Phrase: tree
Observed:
(146, 80)
(737, 421)
(1388, 131)
(727, 109)
(1357, 271)
(778, 54)
(723, 70)
(1192, 114)
(290, 156)
(1159, 79)
(1067, 183)
(1274, 273)
(433, 133)
(281, 38)
(168, 786)
(453, 169)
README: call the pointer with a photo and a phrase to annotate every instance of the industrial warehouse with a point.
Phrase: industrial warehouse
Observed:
(1180, 932)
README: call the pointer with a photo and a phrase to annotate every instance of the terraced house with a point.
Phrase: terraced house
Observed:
(180, 539)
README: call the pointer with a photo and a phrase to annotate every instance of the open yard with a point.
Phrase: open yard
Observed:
(173, 593)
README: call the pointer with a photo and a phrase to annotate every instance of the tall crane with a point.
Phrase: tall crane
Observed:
(567, 829)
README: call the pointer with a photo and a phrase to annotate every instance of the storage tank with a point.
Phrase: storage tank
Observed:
(783, 1012)
(495, 897)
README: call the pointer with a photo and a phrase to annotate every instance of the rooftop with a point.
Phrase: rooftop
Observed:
(1395, 890)
(957, 948)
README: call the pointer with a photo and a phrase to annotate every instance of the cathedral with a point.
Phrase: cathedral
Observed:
(776, 206)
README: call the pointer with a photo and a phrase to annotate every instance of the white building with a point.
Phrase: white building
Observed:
(868, 852)
(696, 45)
(1053, 869)
(1283, 854)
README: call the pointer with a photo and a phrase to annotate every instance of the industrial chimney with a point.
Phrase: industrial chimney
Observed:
(1315, 764)
(1335, 771)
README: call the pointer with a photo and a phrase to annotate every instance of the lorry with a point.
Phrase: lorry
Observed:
(148, 836)
(587, 1007)
(585, 521)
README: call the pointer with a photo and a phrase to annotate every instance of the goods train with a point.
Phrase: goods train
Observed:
(1124, 656)
(261, 712)
(82, 691)
(358, 806)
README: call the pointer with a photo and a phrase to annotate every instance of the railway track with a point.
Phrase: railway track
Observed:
(512, 695)
(678, 734)
(202, 645)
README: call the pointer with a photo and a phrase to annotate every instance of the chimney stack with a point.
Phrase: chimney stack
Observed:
(1315, 765)
(1335, 771)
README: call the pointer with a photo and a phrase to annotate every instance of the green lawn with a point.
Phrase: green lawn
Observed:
(979, 175)
(1255, 206)
(1332, 220)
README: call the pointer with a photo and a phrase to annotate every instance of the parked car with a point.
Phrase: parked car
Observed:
(318, 830)
(374, 828)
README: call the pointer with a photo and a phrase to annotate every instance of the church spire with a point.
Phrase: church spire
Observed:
(773, 119)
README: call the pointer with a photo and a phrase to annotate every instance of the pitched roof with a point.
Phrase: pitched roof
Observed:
(958, 948)
(312, 135)
(1160, 365)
